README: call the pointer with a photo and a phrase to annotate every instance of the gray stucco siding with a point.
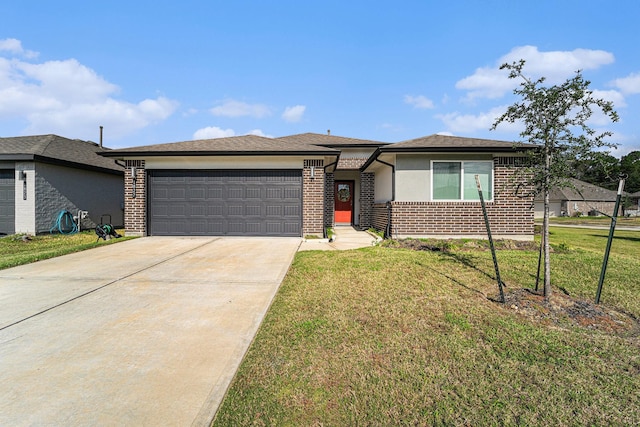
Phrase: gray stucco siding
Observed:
(413, 174)
(59, 187)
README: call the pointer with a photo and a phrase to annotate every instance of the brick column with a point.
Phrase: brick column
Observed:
(329, 181)
(313, 198)
(135, 209)
(367, 195)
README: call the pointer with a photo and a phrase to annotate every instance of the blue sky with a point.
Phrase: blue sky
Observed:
(154, 72)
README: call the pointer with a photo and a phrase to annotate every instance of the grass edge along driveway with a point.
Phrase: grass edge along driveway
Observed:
(386, 336)
(14, 250)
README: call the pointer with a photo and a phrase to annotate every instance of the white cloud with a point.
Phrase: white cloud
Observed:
(14, 46)
(212, 132)
(419, 101)
(233, 108)
(469, 123)
(628, 85)
(612, 96)
(294, 114)
(555, 66)
(259, 132)
(70, 99)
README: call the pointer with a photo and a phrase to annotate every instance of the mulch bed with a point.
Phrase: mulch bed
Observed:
(563, 310)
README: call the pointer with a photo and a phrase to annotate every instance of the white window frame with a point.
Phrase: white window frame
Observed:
(462, 199)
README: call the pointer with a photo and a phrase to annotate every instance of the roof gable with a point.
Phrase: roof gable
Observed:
(56, 149)
(454, 143)
(331, 140)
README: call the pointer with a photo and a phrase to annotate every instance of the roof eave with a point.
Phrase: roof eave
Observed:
(392, 150)
(123, 154)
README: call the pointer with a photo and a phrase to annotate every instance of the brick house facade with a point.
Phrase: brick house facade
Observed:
(390, 183)
(509, 214)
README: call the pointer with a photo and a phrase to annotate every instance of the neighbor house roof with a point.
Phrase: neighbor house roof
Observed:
(582, 191)
(449, 144)
(331, 140)
(245, 145)
(57, 150)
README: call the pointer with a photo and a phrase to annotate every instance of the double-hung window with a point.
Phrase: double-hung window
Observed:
(455, 180)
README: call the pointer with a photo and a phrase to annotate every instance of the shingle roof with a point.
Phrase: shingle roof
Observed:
(582, 191)
(56, 149)
(331, 140)
(235, 145)
(453, 143)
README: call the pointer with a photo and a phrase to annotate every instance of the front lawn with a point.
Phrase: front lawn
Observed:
(16, 250)
(392, 336)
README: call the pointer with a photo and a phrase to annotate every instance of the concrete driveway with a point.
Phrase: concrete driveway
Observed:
(144, 332)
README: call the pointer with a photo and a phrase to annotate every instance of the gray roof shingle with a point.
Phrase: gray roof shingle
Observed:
(582, 191)
(453, 143)
(235, 145)
(57, 149)
(331, 140)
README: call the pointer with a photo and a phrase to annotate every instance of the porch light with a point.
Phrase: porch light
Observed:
(313, 172)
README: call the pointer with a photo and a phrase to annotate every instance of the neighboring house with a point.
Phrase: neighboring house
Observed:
(300, 184)
(44, 174)
(634, 209)
(582, 199)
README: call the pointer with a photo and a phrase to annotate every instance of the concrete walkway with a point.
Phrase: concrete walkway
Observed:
(346, 237)
(145, 332)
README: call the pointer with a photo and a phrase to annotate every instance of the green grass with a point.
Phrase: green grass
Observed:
(14, 251)
(594, 220)
(386, 336)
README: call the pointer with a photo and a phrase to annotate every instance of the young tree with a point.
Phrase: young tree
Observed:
(630, 166)
(555, 119)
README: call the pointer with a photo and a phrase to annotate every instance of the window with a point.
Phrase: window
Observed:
(455, 180)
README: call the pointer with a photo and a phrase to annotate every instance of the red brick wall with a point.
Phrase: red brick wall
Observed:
(135, 209)
(508, 213)
(313, 198)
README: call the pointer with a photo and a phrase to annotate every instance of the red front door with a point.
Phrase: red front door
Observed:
(343, 195)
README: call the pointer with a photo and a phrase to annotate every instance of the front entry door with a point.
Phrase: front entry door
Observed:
(343, 194)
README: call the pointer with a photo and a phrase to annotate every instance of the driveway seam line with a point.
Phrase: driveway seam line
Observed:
(105, 285)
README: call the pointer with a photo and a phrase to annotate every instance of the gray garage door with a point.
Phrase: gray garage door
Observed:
(7, 201)
(225, 203)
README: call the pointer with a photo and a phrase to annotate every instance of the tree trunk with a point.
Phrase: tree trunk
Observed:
(545, 242)
(545, 226)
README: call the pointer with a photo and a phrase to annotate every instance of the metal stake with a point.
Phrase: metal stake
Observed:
(493, 249)
(614, 219)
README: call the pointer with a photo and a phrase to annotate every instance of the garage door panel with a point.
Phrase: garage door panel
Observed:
(7, 201)
(247, 203)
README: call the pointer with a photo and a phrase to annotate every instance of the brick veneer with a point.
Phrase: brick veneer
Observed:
(135, 210)
(367, 196)
(312, 198)
(509, 214)
(329, 205)
(350, 164)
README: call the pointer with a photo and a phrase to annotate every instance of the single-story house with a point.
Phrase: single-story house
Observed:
(44, 174)
(582, 199)
(299, 185)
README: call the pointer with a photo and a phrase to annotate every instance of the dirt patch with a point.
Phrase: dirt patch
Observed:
(564, 310)
(444, 245)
